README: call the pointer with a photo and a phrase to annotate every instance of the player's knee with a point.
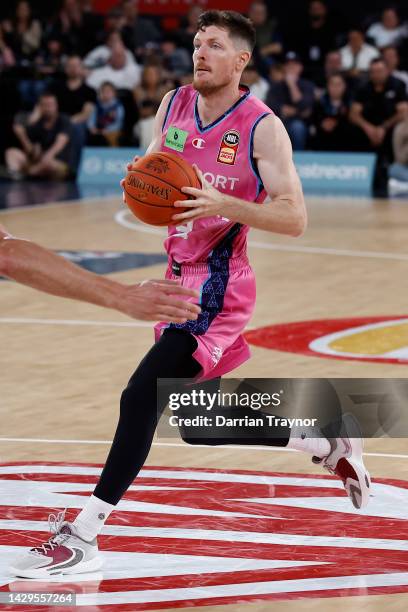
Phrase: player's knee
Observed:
(128, 399)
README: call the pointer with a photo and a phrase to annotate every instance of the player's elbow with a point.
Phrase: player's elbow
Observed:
(298, 221)
(5, 257)
(299, 225)
(9, 255)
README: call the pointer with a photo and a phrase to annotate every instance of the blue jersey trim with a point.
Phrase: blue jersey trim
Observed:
(169, 107)
(252, 162)
(198, 123)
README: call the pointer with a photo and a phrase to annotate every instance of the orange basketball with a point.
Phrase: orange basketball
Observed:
(153, 185)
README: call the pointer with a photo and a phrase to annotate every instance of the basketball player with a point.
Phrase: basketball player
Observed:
(30, 264)
(244, 155)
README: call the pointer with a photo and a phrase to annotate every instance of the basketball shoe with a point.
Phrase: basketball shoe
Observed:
(345, 460)
(64, 553)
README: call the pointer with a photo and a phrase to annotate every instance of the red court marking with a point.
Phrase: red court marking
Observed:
(296, 337)
(345, 560)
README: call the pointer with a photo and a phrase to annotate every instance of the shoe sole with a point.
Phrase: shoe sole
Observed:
(352, 470)
(80, 568)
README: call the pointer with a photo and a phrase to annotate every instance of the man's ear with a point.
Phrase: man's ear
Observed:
(243, 59)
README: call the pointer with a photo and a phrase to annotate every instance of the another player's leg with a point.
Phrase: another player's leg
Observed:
(73, 547)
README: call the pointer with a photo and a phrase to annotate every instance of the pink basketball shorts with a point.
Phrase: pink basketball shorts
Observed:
(227, 301)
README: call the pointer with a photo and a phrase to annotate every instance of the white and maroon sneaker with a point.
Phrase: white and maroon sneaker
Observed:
(64, 553)
(345, 460)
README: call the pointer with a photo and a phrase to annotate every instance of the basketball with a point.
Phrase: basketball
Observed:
(153, 185)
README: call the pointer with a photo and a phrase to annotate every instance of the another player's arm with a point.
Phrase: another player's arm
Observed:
(285, 213)
(33, 265)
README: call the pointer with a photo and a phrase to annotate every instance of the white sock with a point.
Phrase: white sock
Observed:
(309, 440)
(92, 517)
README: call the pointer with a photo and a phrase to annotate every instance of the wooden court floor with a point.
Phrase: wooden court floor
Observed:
(63, 364)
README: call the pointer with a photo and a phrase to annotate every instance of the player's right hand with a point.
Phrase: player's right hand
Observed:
(129, 167)
(159, 300)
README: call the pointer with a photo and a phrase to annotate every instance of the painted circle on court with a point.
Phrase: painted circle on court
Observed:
(378, 339)
(196, 537)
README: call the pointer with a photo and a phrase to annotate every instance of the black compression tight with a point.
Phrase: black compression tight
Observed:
(170, 357)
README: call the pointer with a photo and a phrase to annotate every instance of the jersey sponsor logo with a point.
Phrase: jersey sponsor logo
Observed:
(176, 138)
(254, 536)
(220, 181)
(198, 143)
(375, 339)
(228, 148)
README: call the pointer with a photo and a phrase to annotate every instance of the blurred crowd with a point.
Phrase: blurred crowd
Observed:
(77, 77)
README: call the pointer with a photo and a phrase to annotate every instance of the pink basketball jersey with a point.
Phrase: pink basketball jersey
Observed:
(223, 151)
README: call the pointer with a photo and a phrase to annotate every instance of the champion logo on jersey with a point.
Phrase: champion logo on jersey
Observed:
(228, 148)
(198, 143)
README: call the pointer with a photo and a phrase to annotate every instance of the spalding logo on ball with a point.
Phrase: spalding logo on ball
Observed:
(153, 185)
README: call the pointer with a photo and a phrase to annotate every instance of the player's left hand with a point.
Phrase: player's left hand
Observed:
(207, 201)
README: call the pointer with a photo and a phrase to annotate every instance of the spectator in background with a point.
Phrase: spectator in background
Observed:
(388, 31)
(100, 55)
(391, 58)
(67, 25)
(76, 100)
(276, 73)
(106, 121)
(51, 59)
(7, 59)
(332, 130)
(292, 100)
(117, 71)
(114, 20)
(152, 86)
(185, 35)
(10, 102)
(258, 86)
(137, 32)
(44, 147)
(22, 33)
(268, 40)
(315, 38)
(332, 65)
(144, 128)
(176, 60)
(357, 55)
(78, 30)
(378, 106)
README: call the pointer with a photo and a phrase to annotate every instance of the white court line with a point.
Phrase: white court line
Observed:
(75, 322)
(120, 218)
(276, 449)
(84, 322)
(327, 251)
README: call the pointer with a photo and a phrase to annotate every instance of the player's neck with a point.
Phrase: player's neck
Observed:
(214, 105)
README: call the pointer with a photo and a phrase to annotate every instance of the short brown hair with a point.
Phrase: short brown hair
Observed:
(236, 25)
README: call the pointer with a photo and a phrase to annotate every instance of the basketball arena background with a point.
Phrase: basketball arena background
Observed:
(188, 536)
